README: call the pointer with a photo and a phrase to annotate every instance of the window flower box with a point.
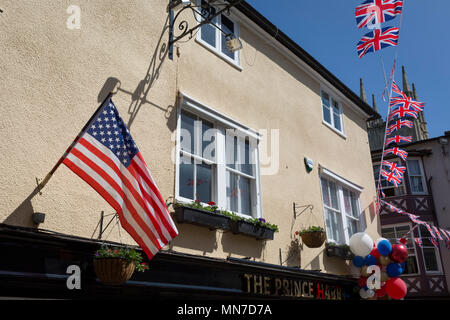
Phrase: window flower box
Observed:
(340, 251)
(252, 230)
(200, 217)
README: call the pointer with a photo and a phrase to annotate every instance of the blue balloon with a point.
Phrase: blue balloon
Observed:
(403, 265)
(384, 247)
(358, 261)
(394, 270)
(370, 260)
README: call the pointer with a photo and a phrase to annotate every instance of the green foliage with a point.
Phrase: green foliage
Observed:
(130, 255)
(310, 229)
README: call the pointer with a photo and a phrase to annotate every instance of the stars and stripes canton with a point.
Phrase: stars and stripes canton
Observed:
(398, 125)
(398, 139)
(107, 158)
(392, 177)
(397, 152)
(394, 167)
(405, 101)
(401, 112)
(373, 12)
(377, 40)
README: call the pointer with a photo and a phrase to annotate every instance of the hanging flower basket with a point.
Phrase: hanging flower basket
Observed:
(313, 237)
(113, 271)
(116, 266)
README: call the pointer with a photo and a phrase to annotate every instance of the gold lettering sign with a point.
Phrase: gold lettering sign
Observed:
(270, 286)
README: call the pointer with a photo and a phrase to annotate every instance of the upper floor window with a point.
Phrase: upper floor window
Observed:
(332, 112)
(388, 188)
(394, 234)
(213, 35)
(416, 176)
(342, 211)
(430, 253)
(217, 163)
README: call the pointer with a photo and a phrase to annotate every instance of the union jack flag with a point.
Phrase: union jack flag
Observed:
(436, 231)
(445, 234)
(434, 242)
(418, 241)
(377, 40)
(377, 11)
(430, 230)
(394, 167)
(391, 207)
(399, 124)
(398, 139)
(402, 112)
(404, 100)
(386, 89)
(398, 152)
(392, 177)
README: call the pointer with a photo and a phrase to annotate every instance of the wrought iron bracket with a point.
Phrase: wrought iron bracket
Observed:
(295, 207)
(207, 12)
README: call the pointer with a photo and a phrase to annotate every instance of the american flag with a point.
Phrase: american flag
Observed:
(399, 124)
(398, 152)
(377, 40)
(392, 177)
(398, 139)
(377, 11)
(106, 157)
(405, 101)
(402, 112)
(394, 167)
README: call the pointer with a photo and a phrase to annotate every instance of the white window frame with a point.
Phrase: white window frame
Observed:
(221, 123)
(436, 253)
(411, 235)
(422, 171)
(342, 183)
(333, 98)
(390, 185)
(218, 48)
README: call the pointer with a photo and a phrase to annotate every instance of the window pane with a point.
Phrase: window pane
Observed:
(334, 195)
(411, 265)
(337, 116)
(326, 196)
(336, 226)
(208, 32)
(228, 28)
(187, 132)
(244, 193)
(326, 107)
(204, 183)
(429, 255)
(231, 150)
(208, 141)
(246, 166)
(416, 184)
(187, 180)
(232, 192)
(389, 234)
(352, 227)
(414, 168)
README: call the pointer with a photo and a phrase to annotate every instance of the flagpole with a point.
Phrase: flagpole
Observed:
(72, 145)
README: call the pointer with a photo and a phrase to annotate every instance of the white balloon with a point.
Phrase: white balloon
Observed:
(361, 244)
(370, 293)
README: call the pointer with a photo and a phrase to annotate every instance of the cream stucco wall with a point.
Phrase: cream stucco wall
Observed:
(53, 79)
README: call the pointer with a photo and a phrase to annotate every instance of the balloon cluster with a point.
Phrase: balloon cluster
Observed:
(389, 258)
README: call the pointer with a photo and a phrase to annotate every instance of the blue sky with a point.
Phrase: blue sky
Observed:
(327, 30)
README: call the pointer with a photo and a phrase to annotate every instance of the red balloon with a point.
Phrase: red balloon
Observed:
(399, 253)
(375, 253)
(396, 288)
(380, 292)
(362, 281)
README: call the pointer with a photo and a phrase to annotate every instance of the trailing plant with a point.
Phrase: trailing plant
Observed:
(310, 229)
(127, 254)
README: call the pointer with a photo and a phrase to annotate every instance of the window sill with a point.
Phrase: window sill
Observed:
(221, 56)
(334, 129)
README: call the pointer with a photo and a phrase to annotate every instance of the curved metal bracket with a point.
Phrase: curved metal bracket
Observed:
(206, 12)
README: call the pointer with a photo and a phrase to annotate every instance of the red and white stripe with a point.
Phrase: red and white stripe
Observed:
(131, 191)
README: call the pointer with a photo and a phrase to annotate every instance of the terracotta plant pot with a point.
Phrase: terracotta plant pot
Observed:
(313, 239)
(113, 271)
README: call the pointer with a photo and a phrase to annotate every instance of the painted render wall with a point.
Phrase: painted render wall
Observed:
(53, 79)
